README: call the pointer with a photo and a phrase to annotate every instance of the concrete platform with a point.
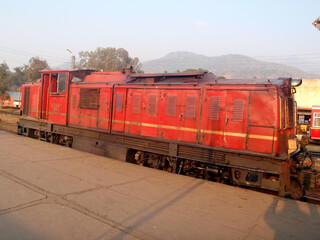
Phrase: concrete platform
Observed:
(53, 192)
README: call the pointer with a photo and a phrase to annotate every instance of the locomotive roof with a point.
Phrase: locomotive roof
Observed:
(155, 78)
(250, 81)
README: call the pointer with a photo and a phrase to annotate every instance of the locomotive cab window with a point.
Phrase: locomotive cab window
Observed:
(62, 81)
(58, 83)
(54, 81)
(316, 119)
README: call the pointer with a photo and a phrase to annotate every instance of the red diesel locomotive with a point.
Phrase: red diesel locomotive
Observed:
(241, 131)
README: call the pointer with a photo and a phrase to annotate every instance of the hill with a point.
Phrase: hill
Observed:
(229, 66)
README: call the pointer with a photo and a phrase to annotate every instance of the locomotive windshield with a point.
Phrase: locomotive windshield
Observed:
(58, 83)
(62, 80)
(79, 76)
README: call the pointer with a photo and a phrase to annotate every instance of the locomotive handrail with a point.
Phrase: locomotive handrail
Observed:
(220, 83)
(170, 84)
(281, 128)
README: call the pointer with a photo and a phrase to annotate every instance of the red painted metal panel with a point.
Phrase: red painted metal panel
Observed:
(84, 115)
(150, 113)
(74, 109)
(34, 101)
(213, 117)
(30, 100)
(260, 139)
(169, 116)
(88, 117)
(44, 95)
(189, 115)
(236, 118)
(119, 112)
(57, 109)
(263, 108)
(105, 105)
(134, 111)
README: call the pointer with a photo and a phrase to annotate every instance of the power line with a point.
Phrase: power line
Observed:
(28, 54)
(289, 55)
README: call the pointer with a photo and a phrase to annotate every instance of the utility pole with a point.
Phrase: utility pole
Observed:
(316, 23)
(73, 60)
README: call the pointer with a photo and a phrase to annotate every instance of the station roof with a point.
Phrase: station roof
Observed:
(14, 95)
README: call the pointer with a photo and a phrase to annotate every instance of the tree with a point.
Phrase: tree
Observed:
(195, 70)
(108, 59)
(31, 70)
(4, 77)
(18, 76)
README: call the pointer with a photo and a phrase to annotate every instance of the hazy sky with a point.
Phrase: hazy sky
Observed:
(265, 29)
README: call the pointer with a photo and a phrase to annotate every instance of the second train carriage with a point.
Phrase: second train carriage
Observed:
(191, 123)
(315, 124)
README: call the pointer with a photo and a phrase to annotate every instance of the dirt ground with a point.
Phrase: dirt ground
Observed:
(9, 117)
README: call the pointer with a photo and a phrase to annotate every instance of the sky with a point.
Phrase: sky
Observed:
(268, 30)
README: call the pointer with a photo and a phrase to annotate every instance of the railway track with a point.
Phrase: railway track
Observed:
(315, 153)
(8, 127)
(310, 199)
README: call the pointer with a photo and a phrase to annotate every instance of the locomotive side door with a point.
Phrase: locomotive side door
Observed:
(169, 115)
(57, 101)
(213, 117)
(189, 115)
(119, 109)
(104, 114)
(44, 96)
(236, 120)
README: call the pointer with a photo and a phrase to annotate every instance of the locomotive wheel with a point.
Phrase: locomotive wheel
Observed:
(296, 192)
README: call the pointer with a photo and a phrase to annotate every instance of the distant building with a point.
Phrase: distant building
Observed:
(10, 99)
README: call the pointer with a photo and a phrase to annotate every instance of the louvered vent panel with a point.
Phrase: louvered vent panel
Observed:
(89, 98)
(237, 114)
(152, 104)
(26, 101)
(214, 108)
(172, 106)
(136, 103)
(119, 102)
(191, 106)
